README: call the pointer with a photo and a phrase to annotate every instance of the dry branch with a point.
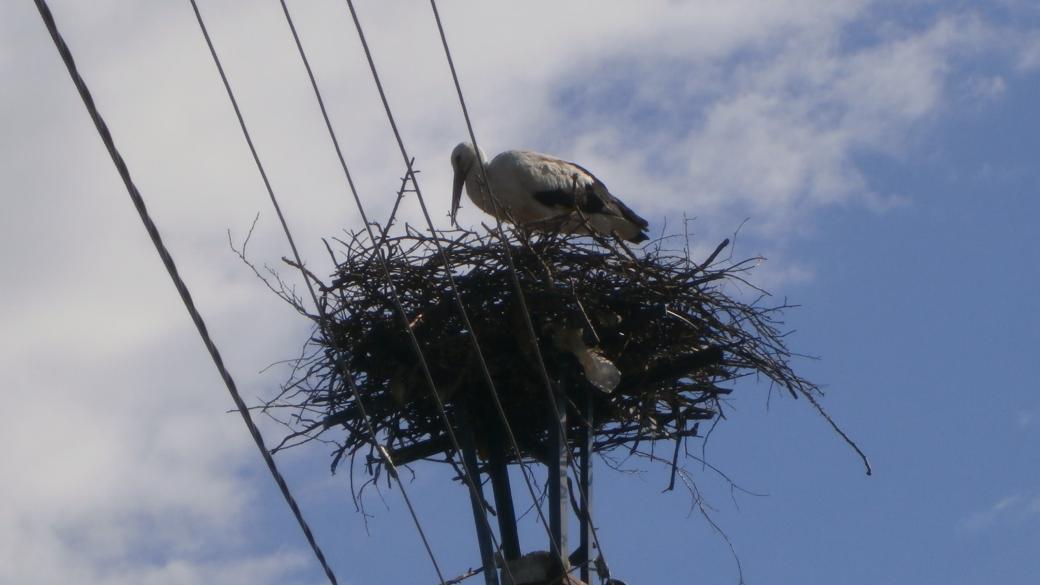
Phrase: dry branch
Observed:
(661, 318)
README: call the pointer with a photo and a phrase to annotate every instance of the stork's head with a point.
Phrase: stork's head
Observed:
(464, 160)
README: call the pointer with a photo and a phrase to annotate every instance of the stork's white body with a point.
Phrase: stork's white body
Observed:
(542, 192)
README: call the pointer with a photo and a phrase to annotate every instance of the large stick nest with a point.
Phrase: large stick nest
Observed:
(660, 319)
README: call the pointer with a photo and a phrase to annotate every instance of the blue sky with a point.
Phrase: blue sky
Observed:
(883, 155)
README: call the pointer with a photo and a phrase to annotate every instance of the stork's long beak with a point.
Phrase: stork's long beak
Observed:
(456, 193)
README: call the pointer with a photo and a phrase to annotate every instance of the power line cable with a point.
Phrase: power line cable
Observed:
(323, 317)
(178, 282)
(318, 306)
(448, 270)
(394, 294)
(509, 258)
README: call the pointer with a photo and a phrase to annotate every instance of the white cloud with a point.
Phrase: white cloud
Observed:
(778, 133)
(987, 88)
(125, 467)
(37, 566)
(1025, 418)
(1010, 509)
(1028, 53)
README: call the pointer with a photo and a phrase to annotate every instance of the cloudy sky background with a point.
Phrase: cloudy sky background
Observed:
(883, 153)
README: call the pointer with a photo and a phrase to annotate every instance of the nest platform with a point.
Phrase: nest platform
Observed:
(661, 319)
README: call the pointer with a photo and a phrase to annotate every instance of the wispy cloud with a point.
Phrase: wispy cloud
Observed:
(126, 469)
(775, 129)
(1025, 418)
(987, 88)
(1011, 509)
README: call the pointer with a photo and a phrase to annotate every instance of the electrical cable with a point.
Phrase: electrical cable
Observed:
(178, 282)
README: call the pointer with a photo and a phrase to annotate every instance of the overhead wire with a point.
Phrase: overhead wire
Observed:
(178, 282)
(467, 474)
(448, 270)
(323, 317)
(512, 267)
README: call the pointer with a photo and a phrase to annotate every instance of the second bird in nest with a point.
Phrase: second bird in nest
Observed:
(541, 192)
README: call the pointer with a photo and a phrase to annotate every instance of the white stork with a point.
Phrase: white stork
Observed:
(539, 191)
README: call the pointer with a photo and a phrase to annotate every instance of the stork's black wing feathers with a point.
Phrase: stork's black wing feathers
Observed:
(599, 191)
(588, 201)
(571, 186)
(555, 198)
(630, 215)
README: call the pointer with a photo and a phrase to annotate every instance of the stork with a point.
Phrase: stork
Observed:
(539, 191)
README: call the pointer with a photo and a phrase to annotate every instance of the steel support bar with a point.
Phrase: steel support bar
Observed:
(559, 495)
(499, 473)
(585, 489)
(469, 459)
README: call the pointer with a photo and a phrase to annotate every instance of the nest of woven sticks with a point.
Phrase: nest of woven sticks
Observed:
(652, 340)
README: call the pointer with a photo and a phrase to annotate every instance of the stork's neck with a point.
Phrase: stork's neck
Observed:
(476, 188)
